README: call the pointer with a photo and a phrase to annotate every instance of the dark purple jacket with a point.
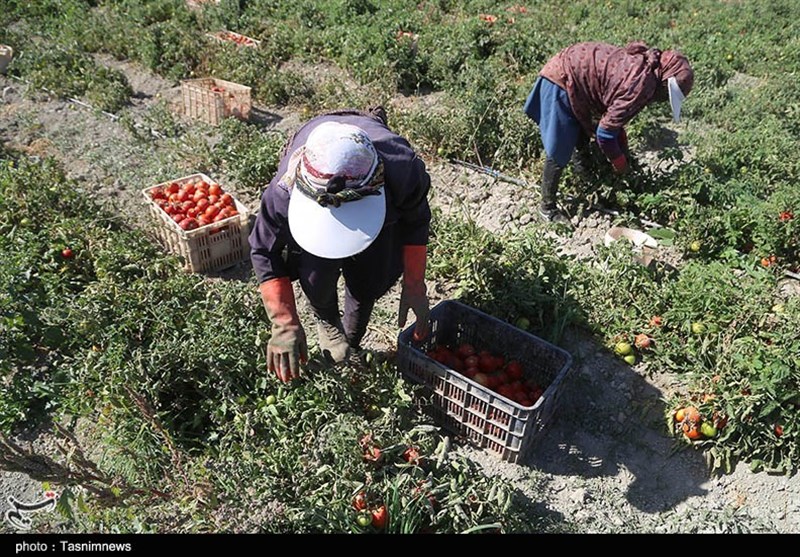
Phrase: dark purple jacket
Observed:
(406, 189)
(605, 82)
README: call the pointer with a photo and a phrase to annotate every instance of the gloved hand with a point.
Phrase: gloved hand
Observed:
(414, 294)
(287, 347)
(620, 164)
(622, 137)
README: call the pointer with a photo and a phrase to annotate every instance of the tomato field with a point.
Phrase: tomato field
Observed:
(153, 380)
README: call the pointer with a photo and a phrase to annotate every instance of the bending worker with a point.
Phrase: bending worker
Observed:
(598, 82)
(349, 198)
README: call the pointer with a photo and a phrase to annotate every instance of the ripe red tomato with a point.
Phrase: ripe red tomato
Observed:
(514, 370)
(214, 189)
(411, 455)
(373, 454)
(486, 362)
(188, 224)
(642, 341)
(201, 204)
(360, 501)
(471, 361)
(211, 212)
(173, 188)
(505, 390)
(226, 199)
(182, 196)
(656, 321)
(189, 188)
(466, 350)
(380, 517)
(66, 253)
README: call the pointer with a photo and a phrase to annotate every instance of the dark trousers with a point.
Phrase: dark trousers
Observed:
(367, 276)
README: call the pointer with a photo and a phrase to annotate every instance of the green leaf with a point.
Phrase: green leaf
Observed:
(662, 234)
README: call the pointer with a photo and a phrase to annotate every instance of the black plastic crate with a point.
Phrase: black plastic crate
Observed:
(484, 417)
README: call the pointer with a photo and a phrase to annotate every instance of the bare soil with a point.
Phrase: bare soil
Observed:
(606, 464)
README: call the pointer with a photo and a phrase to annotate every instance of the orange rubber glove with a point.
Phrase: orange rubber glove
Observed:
(287, 347)
(414, 294)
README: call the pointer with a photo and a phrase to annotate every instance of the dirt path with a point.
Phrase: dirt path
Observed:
(605, 464)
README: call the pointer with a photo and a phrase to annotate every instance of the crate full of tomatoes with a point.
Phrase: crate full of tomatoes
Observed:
(487, 381)
(199, 221)
(235, 38)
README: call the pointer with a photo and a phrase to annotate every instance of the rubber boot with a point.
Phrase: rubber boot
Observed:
(582, 163)
(550, 177)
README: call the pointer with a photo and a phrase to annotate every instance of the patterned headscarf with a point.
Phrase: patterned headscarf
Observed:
(674, 64)
(337, 164)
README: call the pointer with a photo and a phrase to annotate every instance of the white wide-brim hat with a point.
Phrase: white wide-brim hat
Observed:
(336, 232)
(334, 149)
(676, 98)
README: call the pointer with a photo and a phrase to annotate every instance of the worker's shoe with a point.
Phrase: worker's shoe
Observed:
(554, 215)
(332, 340)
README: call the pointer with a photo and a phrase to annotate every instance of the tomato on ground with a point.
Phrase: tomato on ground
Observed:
(380, 517)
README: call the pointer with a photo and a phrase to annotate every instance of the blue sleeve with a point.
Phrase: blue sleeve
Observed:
(609, 142)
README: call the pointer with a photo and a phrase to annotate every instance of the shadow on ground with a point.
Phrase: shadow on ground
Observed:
(611, 422)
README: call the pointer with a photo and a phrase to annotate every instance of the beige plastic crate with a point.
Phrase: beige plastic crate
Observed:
(197, 4)
(235, 38)
(6, 54)
(209, 248)
(212, 100)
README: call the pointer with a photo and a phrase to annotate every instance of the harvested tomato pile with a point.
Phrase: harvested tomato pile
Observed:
(195, 203)
(493, 371)
(236, 38)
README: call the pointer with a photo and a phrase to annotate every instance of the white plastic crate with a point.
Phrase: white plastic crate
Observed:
(208, 248)
(212, 100)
